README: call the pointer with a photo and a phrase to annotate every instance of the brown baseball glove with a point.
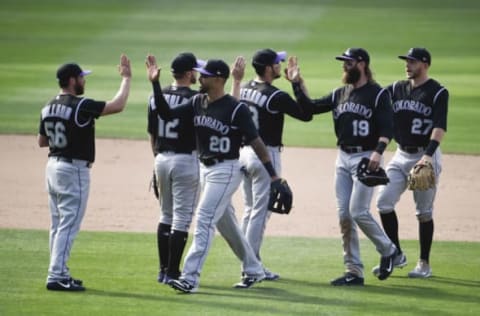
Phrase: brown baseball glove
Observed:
(421, 177)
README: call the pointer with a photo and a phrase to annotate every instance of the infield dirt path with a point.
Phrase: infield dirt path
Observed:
(120, 199)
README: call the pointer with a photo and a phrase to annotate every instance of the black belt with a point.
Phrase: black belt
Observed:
(412, 149)
(353, 149)
(211, 161)
(79, 162)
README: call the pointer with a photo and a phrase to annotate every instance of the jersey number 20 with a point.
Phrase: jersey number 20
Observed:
(219, 144)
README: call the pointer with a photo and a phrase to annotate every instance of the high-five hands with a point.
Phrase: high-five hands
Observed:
(153, 72)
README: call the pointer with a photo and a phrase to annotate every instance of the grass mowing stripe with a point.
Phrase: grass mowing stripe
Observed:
(37, 37)
(119, 270)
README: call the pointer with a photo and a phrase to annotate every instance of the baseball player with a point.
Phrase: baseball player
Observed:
(420, 107)
(268, 106)
(176, 168)
(221, 124)
(362, 118)
(67, 127)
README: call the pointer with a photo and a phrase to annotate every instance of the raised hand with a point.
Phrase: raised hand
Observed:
(292, 72)
(153, 72)
(124, 68)
(238, 68)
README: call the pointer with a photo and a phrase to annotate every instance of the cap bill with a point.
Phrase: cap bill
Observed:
(200, 63)
(203, 71)
(85, 72)
(281, 56)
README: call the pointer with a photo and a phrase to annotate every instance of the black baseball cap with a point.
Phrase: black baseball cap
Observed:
(357, 54)
(214, 68)
(267, 57)
(185, 62)
(418, 53)
(68, 70)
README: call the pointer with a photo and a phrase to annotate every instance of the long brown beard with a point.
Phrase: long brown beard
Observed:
(79, 89)
(351, 76)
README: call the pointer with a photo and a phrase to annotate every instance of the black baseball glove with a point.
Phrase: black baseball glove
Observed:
(154, 185)
(368, 177)
(281, 197)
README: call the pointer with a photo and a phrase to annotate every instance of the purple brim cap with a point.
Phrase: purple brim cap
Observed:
(203, 71)
(281, 56)
(85, 72)
(201, 63)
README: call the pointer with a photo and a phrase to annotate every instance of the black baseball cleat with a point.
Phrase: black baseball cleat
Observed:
(65, 285)
(347, 280)
(247, 282)
(76, 281)
(386, 266)
(183, 286)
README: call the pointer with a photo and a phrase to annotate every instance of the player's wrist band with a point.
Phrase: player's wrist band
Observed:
(271, 171)
(431, 147)
(381, 147)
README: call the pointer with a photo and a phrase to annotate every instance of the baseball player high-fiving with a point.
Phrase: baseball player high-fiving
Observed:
(268, 105)
(176, 167)
(420, 107)
(67, 127)
(221, 124)
(362, 118)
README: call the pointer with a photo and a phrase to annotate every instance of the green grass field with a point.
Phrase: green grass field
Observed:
(120, 270)
(39, 35)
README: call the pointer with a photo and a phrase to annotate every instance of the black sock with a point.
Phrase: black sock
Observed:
(390, 225)
(163, 236)
(425, 231)
(178, 240)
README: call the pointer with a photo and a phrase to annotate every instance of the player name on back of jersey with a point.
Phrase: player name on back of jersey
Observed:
(351, 107)
(412, 105)
(174, 99)
(253, 96)
(212, 123)
(57, 110)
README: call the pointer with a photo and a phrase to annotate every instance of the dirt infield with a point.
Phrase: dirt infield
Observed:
(120, 199)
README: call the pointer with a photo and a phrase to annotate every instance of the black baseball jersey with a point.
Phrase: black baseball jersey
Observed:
(69, 123)
(416, 111)
(360, 115)
(173, 135)
(268, 105)
(219, 126)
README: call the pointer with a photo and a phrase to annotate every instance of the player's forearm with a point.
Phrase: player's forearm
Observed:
(42, 140)
(435, 139)
(161, 104)
(261, 150)
(235, 90)
(117, 104)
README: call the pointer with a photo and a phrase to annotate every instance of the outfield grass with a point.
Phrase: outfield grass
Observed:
(119, 270)
(39, 35)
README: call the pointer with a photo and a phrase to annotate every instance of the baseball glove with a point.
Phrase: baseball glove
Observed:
(154, 185)
(281, 197)
(421, 177)
(368, 177)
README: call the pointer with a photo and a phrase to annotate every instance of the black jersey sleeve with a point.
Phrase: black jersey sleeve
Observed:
(284, 103)
(152, 124)
(440, 109)
(243, 119)
(316, 106)
(384, 114)
(163, 109)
